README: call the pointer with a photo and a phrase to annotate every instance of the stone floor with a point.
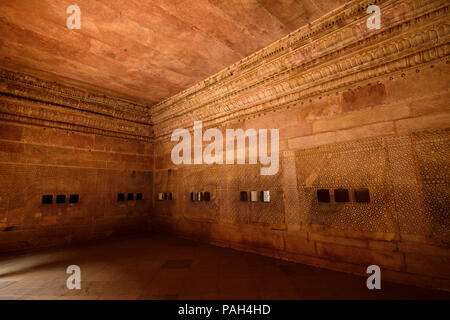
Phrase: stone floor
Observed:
(157, 266)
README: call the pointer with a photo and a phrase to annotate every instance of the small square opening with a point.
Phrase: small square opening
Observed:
(139, 196)
(47, 199)
(130, 196)
(244, 196)
(170, 196)
(73, 198)
(362, 195)
(341, 195)
(265, 196)
(192, 196)
(61, 198)
(121, 197)
(323, 195)
(207, 196)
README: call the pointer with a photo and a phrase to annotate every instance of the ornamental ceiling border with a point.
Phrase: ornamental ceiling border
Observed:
(30, 100)
(417, 34)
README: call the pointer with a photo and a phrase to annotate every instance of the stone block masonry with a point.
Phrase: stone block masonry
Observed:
(363, 121)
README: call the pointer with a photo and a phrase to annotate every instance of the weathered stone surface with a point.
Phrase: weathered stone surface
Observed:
(359, 132)
(302, 129)
(430, 265)
(388, 260)
(360, 118)
(355, 108)
(147, 50)
(364, 97)
(42, 152)
(432, 121)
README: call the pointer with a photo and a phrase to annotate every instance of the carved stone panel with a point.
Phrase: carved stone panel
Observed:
(350, 165)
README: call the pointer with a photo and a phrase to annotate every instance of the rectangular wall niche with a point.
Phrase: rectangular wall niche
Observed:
(61, 198)
(265, 196)
(200, 196)
(73, 198)
(341, 195)
(323, 195)
(130, 196)
(121, 197)
(164, 196)
(139, 196)
(47, 199)
(254, 196)
(244, 196)
(362, 195)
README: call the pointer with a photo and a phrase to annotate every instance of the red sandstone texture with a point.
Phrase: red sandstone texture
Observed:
(355, 109)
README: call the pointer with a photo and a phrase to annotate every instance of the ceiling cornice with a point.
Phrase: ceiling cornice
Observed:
(334, 52)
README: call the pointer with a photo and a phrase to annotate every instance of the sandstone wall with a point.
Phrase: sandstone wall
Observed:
(57, 140)
(355, 109)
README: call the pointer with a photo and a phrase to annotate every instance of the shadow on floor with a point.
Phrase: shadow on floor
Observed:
(160, 266)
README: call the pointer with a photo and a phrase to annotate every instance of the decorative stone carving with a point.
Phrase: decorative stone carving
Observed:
(31, 100)
(339, 53)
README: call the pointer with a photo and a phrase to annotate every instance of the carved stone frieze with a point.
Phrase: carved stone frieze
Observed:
(27, 99)
(340, 52)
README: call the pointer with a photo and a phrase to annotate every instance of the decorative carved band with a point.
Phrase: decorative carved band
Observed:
(414, 33)
(330, 54)
(27, 99)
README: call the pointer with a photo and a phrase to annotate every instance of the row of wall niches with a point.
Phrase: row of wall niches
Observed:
(200, 196)
(255, 196)
(130, 196)
(60, 198)
(343, 195)
(165, 196)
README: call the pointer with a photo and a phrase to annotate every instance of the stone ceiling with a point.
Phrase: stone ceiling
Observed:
(144, 50)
